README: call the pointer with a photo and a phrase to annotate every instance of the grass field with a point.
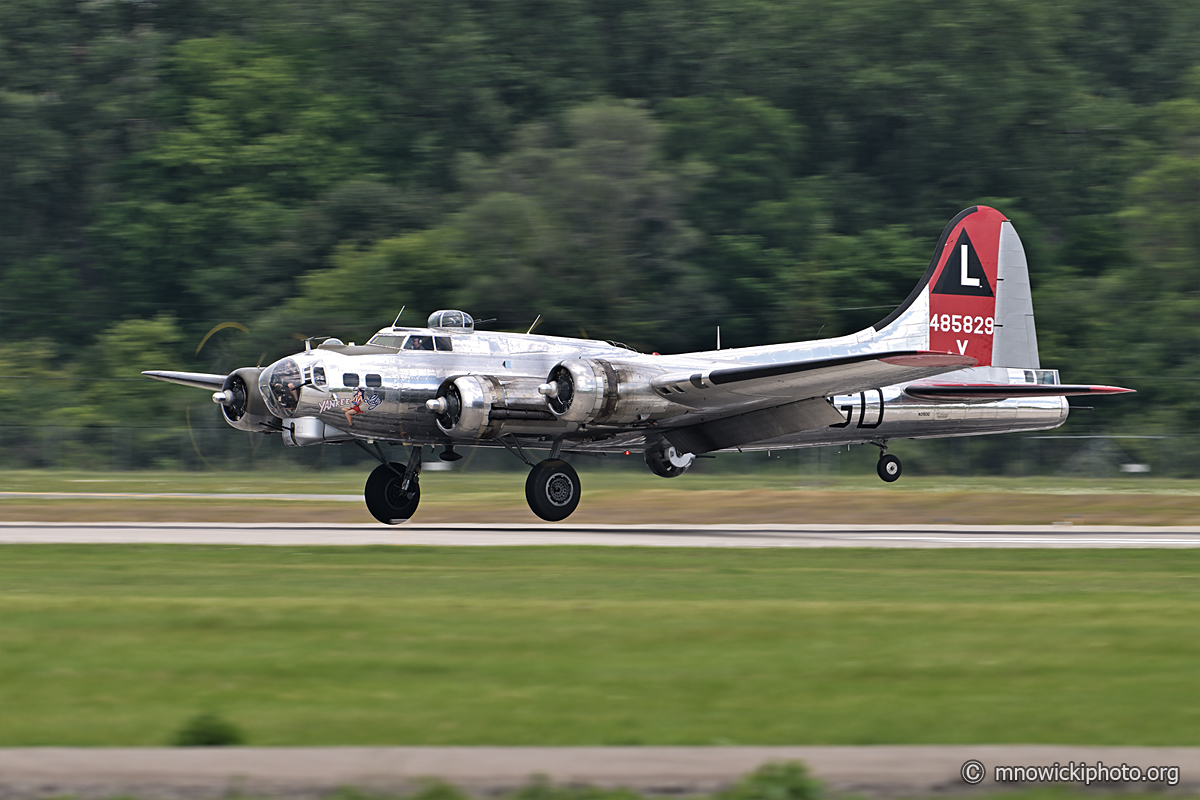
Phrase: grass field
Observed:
(394, 645)
(768, 496)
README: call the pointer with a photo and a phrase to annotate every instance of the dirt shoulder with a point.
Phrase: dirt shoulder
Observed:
(878, 771)
(655, 505)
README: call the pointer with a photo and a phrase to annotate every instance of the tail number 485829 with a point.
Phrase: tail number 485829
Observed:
(962, 323)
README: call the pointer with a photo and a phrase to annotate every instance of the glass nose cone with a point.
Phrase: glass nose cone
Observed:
(280, 387)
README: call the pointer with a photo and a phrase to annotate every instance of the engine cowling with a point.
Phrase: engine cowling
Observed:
(583, 390)
(593, 391)
(482, 406)
(241, 404)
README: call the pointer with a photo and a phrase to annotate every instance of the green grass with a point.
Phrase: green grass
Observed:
(109, 645)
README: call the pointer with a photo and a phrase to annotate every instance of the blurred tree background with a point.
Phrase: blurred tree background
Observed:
(637, 171)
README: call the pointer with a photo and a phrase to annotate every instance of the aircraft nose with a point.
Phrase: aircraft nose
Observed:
(280, 385)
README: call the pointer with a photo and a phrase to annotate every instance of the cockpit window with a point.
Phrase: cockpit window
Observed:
(350, 379)
(416, 342)
(443, 343)
(318, 375)
(383, 340)
(374, 381)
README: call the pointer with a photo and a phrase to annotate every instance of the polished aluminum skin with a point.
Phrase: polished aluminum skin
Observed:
(507, 370)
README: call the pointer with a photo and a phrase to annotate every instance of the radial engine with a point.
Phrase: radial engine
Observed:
(577, 394)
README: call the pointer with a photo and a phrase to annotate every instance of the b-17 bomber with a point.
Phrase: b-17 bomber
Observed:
(958, 357)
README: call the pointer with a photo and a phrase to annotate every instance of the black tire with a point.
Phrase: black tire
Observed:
(888, 468)
(552, 490)
(658, 463)
(386, 501)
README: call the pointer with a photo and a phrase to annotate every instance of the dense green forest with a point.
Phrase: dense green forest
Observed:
(636, 171)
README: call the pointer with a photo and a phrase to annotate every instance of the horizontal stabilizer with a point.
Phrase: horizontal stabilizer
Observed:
(197, 380)
(1001, 391)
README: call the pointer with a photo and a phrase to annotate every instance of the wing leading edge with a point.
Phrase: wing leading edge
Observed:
(197, 380)
(758, 384)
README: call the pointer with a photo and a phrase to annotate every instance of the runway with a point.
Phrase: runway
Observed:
(879, 771)
(473, 535)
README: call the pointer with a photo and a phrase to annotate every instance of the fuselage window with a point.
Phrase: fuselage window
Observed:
(419, 343)
(374, 381)
(318, 375)
(443, 343)
(350, 379)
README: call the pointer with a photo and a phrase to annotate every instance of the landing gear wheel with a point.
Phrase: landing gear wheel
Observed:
(552, 490)
(888, 468)
(386, 500)
(666, 462)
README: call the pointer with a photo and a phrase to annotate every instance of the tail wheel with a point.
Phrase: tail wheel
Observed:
(386, 498)
(888, 468)
(552, 490)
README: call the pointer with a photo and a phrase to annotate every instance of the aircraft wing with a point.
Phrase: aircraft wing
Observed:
(999, 391)
(754, 402)
(740, 385)
(198, 380)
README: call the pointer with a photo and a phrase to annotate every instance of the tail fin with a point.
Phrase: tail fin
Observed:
(974, 298)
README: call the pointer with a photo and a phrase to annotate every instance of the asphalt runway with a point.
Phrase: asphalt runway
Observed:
(475, 535)
(872, 770)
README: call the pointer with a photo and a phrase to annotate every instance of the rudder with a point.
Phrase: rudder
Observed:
(1015, 341)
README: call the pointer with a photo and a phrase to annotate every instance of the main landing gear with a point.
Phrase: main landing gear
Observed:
(889, 466)
(393, 491)
(552, 488)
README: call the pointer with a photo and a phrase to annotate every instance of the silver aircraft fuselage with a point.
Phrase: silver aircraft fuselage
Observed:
(396, 385)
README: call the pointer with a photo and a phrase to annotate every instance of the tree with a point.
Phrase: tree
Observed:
(1160, 300)
(583, 223)
(249, 144)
